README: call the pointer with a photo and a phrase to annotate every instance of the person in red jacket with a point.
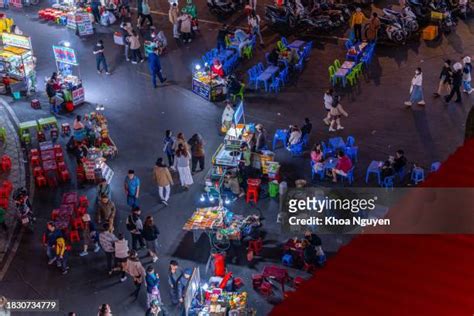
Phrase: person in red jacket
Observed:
(217, 68)
(344, 164)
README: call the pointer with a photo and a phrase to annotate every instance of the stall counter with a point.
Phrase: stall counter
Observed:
(210, 89)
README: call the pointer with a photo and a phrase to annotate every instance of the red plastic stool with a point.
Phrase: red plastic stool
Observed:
(65, 128)
(35, 161)
(310, 268)
(83, 201)
(77, 223)
(41, 181)
(34, 152)
(52, 181)
(57, 148)
(35, 104)
(4, 203)
(6, 163)
(257, 280)
(41, 137)
(266, 288)
(37, 171)
(4, 193)
(7, 184)
(252, 190)
(238, 283)
(74, 236)
(61, 166)
(256, 246)
(297, 281)
(81, 211)
(55, 214)
(59, 156)
(64, 176)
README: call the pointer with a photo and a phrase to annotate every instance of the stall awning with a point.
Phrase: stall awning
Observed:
(398, 274)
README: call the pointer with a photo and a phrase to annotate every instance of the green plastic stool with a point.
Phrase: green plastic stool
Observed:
(26, 138)
(3, 134)
(273, 189)
(239, 94)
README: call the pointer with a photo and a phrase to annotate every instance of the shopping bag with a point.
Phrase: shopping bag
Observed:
(112, 18)
(118, 38)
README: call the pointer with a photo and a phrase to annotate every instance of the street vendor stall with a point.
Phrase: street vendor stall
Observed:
(71, 84)
(218, 302)
(208, 85)
(66, 13)
(18, 62)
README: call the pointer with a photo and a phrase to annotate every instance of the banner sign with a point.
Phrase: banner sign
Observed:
(65, 55)
(16, 40)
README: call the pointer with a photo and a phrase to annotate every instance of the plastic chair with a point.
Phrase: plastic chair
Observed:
(297, 281)
(239, 94)
(287, 260)
(351, 78)
(37, 171)
(77, 223)
(305, 140)
(64, 176)
(266, 288)
(280, 136)
(349, 176)
(300, 65)
(373, 170)
(247, 52)
(332, 72)
(252, 77)
(296, 149)
(275, 85)
(74, 236)
(252, 190)
(6, 163)
(388, 182)
(357, 69)
(284, 41)
(348, 44)
(284, 75)
(281, 47)
(40, 181)
(268, 61)
(350, 141)
(417, 175)
(435, 166)
(83, 201)
(256, 246)
(238, 283)
(257, 280)
(337, 64)
(260, 68)
(315, 173)
(352, 152)
(326, 150)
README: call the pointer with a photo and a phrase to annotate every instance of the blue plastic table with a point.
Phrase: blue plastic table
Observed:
(342, 73)
(266, 75)
(336, 143)
(296, 44)
(329, 164)
(374, 167)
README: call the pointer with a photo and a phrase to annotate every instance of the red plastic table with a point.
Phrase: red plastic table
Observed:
(47, 154)
(50, 165)
(277, 273)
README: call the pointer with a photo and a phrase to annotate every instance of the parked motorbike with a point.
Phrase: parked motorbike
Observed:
(423, 10)
(281, 17)
(223, 7)
(392, 31)
(406, 18)
(23, 207)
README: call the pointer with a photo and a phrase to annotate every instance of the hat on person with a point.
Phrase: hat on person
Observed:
(457, 66)
(86, 218)
(188, 271)
(466, 60)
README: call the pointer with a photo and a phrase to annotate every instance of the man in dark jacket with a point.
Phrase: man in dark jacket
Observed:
(155, 67)
(100, 57)
(51, 93)
(49, 240)
(457, 82)
(197, 152)
(221, 34)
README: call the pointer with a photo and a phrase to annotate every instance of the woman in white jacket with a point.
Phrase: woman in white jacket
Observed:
(181, 163)
(121, 255)
(416, 89)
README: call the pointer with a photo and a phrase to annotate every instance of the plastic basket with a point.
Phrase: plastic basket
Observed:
(437, 16)
(16, 95)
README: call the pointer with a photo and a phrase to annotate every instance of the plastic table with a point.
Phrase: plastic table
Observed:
(49, 165)
(47, 155)
(336, 143)
(266, 75)
(296, 44)
(329, 164)
(47, 145)
(25, 126)
(277, 273)
(374, 167)
(348, 64)
(342, 73)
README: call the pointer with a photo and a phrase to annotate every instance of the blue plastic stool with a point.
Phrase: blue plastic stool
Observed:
(287, 260)
(296, 149)
(350, 142)
(417, 175)
(388, 182)
(280, 135)
(435, 166)
(349, 177)
(373, 170)
(352, 152)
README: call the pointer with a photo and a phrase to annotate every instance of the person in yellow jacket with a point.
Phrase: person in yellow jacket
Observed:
(5, 24)
(61, 255)
(358, 19)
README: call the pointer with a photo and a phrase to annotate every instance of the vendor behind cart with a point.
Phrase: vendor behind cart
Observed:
(79, 130)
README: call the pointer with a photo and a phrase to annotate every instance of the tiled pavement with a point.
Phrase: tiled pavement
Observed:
(17, 174)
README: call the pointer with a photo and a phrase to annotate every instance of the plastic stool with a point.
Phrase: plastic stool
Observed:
(55, 214)
(309, 267)
(6, 163)
(252, 194)
(34, 152)
(65, 128)
(52, 181)
(4, 193)
(287, 260)
(4, 203)
(35, 161)
(59, 157)
(61, 166)
(257, 280)
(435, 166)
(37, 171)
(8, 185)
(57, 148)
(41, 181)
(297, 281)
(74, 236)
(83, 201)
(417, 175)
(256, 246)
(35, 104)
(77, 223)
(81, 211)
(64, 176)
(41, 136)
(54, 134)
(238, 283)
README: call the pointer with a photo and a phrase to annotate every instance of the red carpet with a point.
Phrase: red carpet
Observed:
(398, 274)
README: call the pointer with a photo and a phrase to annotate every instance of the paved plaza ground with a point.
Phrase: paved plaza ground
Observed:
(138, 115)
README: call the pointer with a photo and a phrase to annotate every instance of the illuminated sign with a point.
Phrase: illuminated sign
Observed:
(16, 40)
(65, 55)
(239, 113)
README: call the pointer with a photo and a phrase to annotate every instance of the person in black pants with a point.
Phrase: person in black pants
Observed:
(457, 82)
(197, 152)
(221, 34)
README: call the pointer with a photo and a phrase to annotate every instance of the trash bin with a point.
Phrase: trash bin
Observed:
(273, 189)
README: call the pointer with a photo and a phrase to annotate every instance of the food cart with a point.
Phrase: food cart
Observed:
(218, 302)
(208, 85)
(18, 62)
(80, 21)
(71, 83)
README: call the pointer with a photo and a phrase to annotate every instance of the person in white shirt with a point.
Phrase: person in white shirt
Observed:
(416, 89)
(295, 136)
(328, 100)
(254, 23)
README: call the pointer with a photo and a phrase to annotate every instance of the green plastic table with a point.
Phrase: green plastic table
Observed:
(25, 126)
(47, 121)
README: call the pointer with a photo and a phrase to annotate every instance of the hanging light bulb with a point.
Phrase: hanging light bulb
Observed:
(202, 198)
